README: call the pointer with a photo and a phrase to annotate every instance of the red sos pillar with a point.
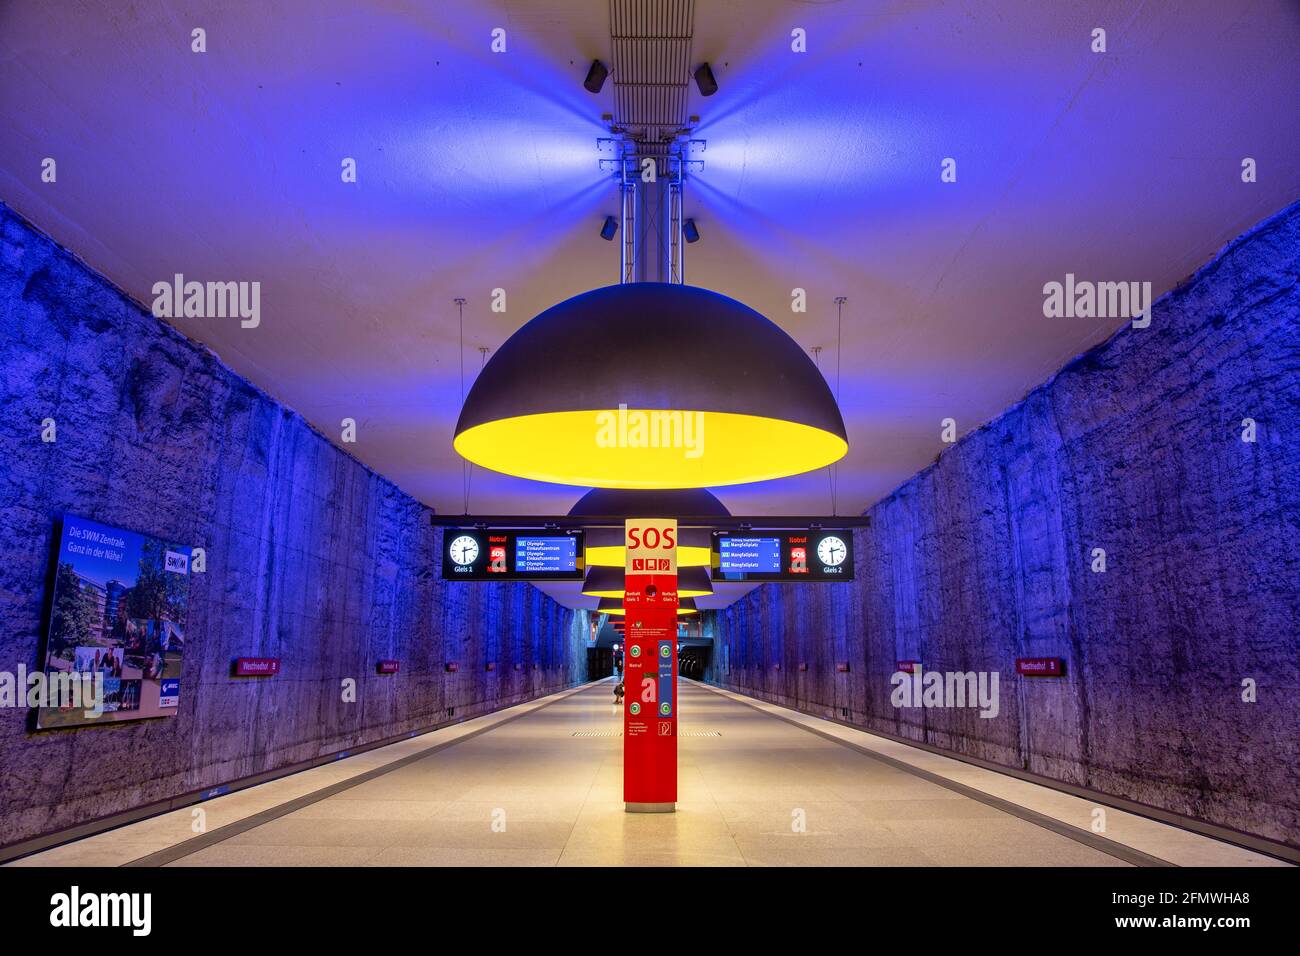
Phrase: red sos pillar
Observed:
(650, 666)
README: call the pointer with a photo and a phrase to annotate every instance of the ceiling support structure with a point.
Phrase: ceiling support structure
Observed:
(676, 263)
(628, 220)
(652, 222)
(652, 252)
(651, 69)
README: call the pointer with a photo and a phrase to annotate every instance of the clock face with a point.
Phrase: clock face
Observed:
(464, 550)
(831, 551)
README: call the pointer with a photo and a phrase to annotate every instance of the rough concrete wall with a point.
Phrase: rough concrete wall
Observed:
(1135, 447)
(311, 558)
(579, 635)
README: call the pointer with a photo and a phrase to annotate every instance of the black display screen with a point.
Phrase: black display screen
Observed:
(803, 555)
(477, 554)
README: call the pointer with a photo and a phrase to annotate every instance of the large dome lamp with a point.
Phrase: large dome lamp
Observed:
(650, 385)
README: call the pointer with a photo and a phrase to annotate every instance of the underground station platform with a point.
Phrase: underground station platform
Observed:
(541, 784)
(850, 445)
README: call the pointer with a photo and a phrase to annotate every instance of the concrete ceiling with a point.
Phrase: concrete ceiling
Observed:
(479, 171)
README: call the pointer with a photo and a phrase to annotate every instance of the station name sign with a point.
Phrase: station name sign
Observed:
(491, 554)
(824, 554)
(1040, 666)
(256, 666)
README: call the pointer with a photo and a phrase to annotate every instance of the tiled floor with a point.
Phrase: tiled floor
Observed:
(529, 792)
(557, 799)
(1144, 835)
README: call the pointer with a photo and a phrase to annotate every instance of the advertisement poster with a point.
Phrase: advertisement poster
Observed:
(118, 613)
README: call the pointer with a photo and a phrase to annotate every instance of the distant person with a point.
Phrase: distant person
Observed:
(618, 693)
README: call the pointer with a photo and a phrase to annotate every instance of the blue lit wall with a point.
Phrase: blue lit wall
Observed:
(311, 558)
(987, 556)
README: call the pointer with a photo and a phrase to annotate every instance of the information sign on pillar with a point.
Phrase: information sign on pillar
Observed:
(650, 666)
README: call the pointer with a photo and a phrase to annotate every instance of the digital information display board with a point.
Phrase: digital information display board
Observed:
(546, 554)
(476, 554)
(804, 555)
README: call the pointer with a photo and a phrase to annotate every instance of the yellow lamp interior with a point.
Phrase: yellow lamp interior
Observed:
(613, 556)
(605, 449)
